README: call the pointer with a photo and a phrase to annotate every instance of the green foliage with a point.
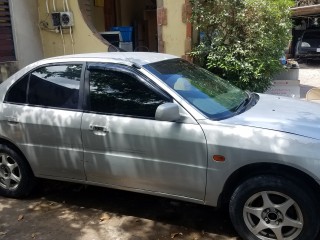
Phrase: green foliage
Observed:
(244, 39)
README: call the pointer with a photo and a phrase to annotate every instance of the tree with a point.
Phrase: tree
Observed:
(242, 40)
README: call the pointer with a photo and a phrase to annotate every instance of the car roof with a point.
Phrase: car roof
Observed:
(125, 58)
(129, 58)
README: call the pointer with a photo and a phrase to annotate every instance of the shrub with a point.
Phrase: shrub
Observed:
(243, 39)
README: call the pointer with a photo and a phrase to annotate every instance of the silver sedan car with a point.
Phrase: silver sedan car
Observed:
(156, 124)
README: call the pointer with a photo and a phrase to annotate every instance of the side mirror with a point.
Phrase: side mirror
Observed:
(168, 112)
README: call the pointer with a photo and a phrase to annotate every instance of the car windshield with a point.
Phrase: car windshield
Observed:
(213, 96)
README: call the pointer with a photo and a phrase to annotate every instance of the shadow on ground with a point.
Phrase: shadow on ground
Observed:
(70, 211)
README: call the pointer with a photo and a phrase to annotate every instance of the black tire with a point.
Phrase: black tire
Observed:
(16, 177)
(265, 205)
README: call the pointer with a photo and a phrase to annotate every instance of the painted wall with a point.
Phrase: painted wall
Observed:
(85, 40)
(26, 32)
(174, 33)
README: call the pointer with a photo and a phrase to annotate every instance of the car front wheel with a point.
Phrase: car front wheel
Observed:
(274, 208)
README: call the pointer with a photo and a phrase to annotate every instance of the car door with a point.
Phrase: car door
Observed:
(125, 146)
(43, 118)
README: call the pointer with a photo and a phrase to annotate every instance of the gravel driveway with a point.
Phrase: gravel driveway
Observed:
(70, 211)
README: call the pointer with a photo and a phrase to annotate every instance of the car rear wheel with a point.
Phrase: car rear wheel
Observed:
(16, 177)
(274, 208)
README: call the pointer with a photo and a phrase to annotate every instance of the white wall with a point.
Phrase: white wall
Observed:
(26, 33)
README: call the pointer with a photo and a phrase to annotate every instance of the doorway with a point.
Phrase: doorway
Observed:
(137, 22)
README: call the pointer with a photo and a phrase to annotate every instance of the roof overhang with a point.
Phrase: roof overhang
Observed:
(306, 11)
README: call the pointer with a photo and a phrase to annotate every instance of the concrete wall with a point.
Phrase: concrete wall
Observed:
(174, 33)
(26, 32)
(85, 39)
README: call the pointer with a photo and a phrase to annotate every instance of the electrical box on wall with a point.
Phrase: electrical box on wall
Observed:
(66, 19)
(55, 16)
(62, 19)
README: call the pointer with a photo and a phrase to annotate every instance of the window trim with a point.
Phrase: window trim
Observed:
(81, 86)
(125, 70)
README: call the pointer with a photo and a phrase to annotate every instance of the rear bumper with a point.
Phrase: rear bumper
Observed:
(308, 55)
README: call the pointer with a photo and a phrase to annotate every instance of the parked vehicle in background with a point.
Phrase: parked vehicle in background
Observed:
(308, 46)
(156, 124)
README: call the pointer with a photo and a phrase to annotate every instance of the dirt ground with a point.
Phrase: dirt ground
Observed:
(309, 76)
(70, 211)
(74, 212)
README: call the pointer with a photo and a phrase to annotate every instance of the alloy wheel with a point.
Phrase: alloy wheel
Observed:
(10, 175)
(272, 215)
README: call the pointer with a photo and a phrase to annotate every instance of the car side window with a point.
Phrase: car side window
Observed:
(115, 92)
(55, 86)
(18, 92)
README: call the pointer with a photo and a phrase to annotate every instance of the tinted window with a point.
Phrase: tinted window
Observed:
(55, 86)
(118, 93)
(18, 92)
(311, 35)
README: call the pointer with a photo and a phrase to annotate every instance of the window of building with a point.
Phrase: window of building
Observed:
(7, 52)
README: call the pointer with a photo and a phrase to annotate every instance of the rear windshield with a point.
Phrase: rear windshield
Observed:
(311, 35)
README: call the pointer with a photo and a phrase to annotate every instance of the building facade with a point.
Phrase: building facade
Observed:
(35, 29)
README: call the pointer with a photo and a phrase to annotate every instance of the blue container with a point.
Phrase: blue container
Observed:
(126, 33)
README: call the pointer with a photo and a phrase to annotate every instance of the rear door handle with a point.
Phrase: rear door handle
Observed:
(12, 120)
(97, 128)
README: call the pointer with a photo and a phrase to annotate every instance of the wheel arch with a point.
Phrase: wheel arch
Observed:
(17, 149)
(256, 169)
